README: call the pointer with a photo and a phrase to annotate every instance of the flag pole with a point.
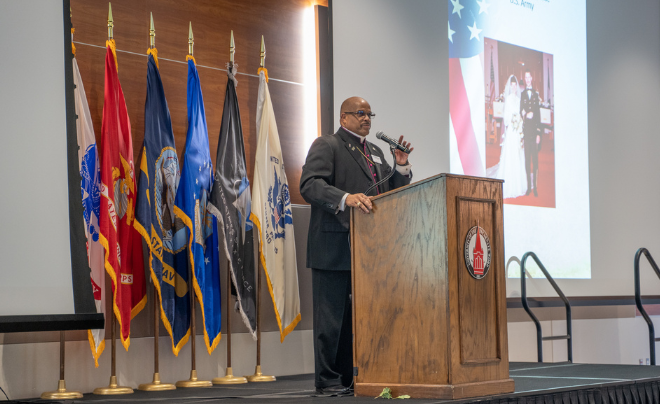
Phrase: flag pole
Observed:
(61, 393)
(156, 384)
(232, 48)
(258, 376)
(113, 388)
(193, 381)
(229, 377)
(262, 54)
(111, 22)
(152, 31)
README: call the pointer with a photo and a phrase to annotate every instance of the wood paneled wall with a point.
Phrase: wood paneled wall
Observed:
(280, 22)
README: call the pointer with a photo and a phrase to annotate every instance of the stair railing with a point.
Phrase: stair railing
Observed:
(638, 298)
(539, 334)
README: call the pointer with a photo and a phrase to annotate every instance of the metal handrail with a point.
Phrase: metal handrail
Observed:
(523, 296)
(513, 258)
(638, 297)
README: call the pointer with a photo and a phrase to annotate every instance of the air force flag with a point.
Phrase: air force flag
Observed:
(192, 199)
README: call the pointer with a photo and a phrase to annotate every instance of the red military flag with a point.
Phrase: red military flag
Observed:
(122, 242)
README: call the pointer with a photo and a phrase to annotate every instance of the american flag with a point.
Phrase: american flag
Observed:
(466, 26)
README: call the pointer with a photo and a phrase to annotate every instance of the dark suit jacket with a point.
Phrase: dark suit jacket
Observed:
(530, 104)
(334, 167)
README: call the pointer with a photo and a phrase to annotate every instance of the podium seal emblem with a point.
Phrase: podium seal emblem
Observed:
(477, 252)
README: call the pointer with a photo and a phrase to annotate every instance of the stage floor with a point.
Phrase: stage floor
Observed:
(536, 383)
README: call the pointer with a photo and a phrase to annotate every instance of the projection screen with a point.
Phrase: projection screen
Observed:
(45, 277)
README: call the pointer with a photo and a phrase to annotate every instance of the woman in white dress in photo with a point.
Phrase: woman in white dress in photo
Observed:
(511, 167)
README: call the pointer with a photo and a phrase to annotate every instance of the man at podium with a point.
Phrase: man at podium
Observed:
(339, 168)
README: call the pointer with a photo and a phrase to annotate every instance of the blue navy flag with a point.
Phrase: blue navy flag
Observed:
(154, 218)
(231, 204)
(191, 206)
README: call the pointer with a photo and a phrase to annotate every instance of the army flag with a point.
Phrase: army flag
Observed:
(122, 242)
(231, 204)
(272, 215)
(190, 206)
(88, 161)
(154, 217)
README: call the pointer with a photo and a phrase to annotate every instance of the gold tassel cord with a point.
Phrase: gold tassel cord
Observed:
(154, 53)
(73, 47)
(263, 69)
(113, 47)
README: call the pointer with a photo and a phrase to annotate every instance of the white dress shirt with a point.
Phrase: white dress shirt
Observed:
(403, 170)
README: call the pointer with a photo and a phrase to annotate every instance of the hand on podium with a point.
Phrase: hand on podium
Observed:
(360, 201)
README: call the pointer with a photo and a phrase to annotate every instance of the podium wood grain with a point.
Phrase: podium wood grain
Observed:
(422, 324)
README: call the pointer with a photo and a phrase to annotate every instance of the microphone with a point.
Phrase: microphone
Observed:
(380, 135)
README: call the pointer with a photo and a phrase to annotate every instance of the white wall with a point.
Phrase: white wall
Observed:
(623, 58)
(393, 53)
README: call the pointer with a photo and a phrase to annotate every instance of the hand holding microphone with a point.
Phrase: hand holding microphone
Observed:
(402, 148)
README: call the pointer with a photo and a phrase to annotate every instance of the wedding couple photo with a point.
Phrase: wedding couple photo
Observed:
(520, 122)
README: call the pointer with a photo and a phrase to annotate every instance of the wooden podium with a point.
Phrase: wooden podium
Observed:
(423, 324)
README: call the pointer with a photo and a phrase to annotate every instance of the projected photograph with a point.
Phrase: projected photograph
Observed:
(536, 140)
(519, 130)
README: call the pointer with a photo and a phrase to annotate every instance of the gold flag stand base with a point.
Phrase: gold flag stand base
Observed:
(156, 385)
(193, 382)
(259, 377)
(61, 393)
(229, 378)
(113, 388)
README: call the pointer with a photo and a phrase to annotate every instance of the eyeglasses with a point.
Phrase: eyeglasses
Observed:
(361, 114)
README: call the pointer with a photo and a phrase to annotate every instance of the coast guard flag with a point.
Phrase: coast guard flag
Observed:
(122, 242)
(272, 215)
(154, 218)
(191, 207)
(467, 122)
(231, 204)
(88, 160)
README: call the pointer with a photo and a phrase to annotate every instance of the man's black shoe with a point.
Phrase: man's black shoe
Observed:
(334, 391)
(535, 193)
(529, 191)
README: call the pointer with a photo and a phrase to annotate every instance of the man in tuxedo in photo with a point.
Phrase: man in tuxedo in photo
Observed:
(338, 170)
(530, 111)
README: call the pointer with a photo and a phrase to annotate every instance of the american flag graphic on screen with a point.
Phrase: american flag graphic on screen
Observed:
(467, 93)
